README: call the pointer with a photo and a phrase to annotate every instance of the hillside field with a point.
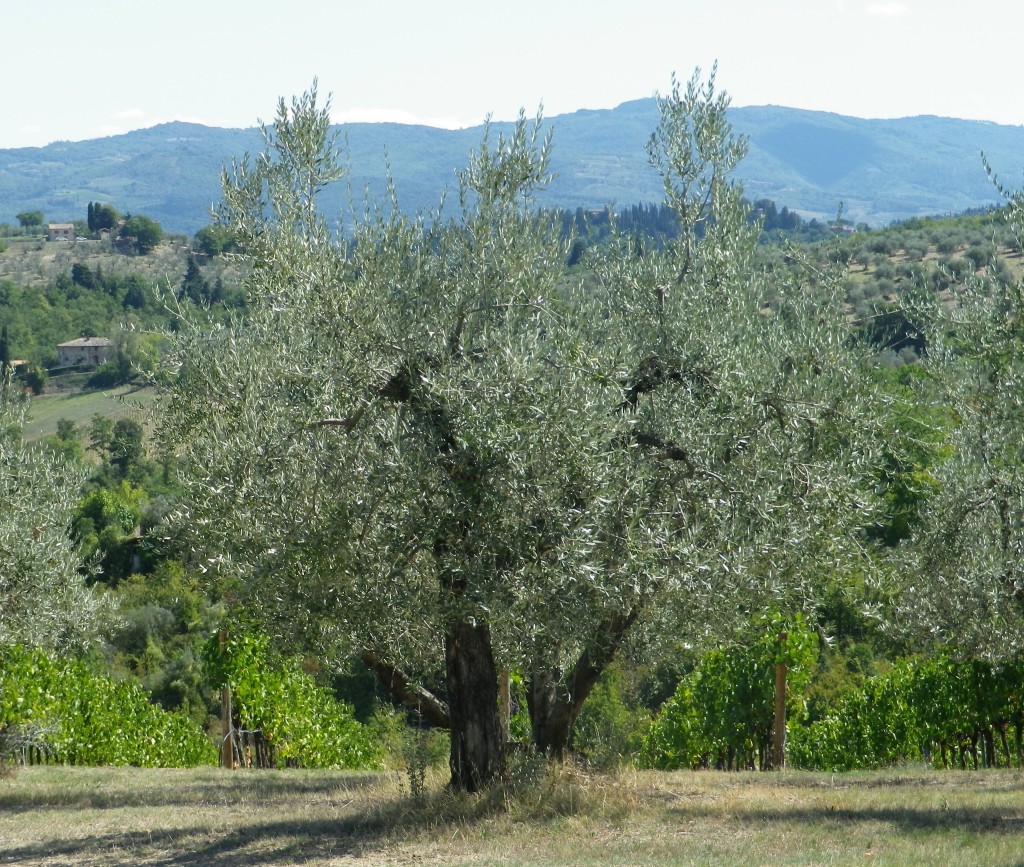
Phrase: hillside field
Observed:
(37, 263)
(80, 406)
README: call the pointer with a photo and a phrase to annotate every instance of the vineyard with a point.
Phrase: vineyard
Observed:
(935, 710)
(929, 711)
(63, 712)
(59, 711)
(299, 724)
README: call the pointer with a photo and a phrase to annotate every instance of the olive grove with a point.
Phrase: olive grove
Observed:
(428, 444)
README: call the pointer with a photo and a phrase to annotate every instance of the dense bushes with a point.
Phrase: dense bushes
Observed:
(609, 729)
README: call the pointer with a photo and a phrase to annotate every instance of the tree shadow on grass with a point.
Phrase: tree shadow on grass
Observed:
(993, 779)
(269, 841)
(225, 789)
(262, 841)
(907, 819)
(989, 780)
(286, 842)
(367, 823)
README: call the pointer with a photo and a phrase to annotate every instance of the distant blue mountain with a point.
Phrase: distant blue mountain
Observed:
(880, 170)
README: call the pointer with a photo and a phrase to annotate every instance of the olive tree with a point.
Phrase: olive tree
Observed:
(425, 443)
(46, 602)
(961, 578)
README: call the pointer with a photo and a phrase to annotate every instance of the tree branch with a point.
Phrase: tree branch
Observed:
(670, 451)
(596, 658)
(348, 423)
(652, 372)
(424, 702)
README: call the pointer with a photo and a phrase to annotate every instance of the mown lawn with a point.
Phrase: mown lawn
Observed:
(211, 817)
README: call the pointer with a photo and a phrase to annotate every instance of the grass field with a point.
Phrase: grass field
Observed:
(108, 816)
(81, 406)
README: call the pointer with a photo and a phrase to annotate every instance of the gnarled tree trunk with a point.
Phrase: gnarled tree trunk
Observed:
(476, 747)
(555, 700)
(551, 716)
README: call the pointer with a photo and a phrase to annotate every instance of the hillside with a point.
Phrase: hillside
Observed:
(881, 170)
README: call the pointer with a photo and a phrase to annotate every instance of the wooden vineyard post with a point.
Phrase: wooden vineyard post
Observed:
(227, 751)
(504, 704)
(779, 745)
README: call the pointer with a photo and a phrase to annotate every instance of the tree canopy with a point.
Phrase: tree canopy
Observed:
(30, 219)
(423, 442)
(145, 233)
(960, 578)
(214, 240)
(101, 217)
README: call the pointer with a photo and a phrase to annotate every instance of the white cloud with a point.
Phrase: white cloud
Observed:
(122, 122)
(129, 114)
(888, 10)
(395, 115)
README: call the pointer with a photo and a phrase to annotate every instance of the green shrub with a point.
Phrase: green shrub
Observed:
(608, 732)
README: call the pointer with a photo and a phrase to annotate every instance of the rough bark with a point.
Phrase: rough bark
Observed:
(476, 746)
(549, 724)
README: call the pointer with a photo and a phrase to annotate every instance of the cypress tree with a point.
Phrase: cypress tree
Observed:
(5, 351)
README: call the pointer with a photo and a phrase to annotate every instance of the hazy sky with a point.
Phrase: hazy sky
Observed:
(88, 68)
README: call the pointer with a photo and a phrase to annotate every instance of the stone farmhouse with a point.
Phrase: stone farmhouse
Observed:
(60, 232)
(88, 351)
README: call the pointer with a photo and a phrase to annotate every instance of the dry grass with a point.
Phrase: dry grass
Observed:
(210, 817)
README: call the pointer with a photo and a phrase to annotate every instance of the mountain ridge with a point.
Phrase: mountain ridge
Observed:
(813, 162)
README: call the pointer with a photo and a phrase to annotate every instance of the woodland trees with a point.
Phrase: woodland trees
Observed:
(100, 217)
(213, 240)
(30, 219)
(144, 233)
(427, 445)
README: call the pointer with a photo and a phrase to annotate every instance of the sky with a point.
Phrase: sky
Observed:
(90, 68)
